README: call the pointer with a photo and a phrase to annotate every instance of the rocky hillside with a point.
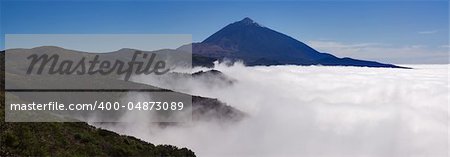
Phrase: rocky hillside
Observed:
(72, 139)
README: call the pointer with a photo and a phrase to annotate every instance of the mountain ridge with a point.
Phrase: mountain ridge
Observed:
(254, 44)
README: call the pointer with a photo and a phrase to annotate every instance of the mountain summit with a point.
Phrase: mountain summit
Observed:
(247, 21)
(257, 45)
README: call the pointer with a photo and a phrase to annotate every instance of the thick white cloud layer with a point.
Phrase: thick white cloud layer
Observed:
(318, 112)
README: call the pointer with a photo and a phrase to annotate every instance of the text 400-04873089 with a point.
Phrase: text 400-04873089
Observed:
(146, 105)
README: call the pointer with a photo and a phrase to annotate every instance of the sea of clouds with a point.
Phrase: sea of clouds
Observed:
(314, 111)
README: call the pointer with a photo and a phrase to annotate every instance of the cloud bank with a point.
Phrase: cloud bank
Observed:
(406, 54)
(428, 32)
(316, 111)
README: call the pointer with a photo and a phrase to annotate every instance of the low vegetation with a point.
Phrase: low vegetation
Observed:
(73, 139)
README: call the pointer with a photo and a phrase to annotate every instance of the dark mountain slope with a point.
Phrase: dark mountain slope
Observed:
(81, 139)
(249, 39)
(258, 45)
(71, 139)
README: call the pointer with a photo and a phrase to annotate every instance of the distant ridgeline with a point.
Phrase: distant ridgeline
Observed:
(254, 44)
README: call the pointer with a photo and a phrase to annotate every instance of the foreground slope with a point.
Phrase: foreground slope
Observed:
(81, 139)
(72, 139)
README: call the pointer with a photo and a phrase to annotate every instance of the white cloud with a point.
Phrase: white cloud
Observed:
(409, 54)
(428, 32)
(316, 111)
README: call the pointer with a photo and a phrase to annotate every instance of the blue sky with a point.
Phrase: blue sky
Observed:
(345, 28)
